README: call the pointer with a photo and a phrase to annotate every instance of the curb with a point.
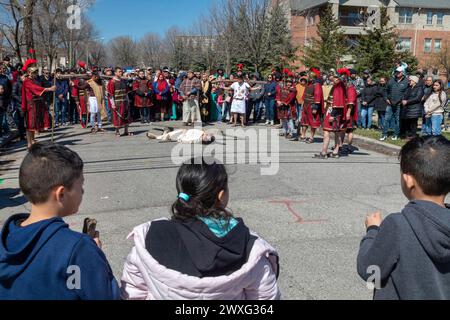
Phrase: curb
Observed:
(375, 145)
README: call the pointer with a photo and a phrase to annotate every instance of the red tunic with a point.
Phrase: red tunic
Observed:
(313, 96)
(335, 118)
(287, 96)
(117, 94)
(143, 97)
(34, 106)
(82, 86)
(352, 101)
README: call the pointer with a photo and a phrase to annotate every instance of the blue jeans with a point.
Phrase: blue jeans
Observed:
(299, 111)
(4, 127)
(270, 109)
(433, 125)
(381, 117)
(392, 120)
(359, 122)
(226, 111)
(258, 106)
(288, 126)
(366, 116)
(108, 110)
(219, 112)
(60, 111)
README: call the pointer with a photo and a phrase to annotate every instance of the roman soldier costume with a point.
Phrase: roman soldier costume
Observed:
(335, 118)
(313, 107)
(34, 105)
(117, 96)
(82, 87)
(352, 105)
(144, 93)
(286, 95)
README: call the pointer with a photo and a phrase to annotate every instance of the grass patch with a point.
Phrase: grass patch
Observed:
(376, 134)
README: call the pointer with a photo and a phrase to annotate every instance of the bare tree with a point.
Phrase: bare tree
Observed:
(74, 40)
(124, 51)
(98, 54)
(17, 25)
(152, 50)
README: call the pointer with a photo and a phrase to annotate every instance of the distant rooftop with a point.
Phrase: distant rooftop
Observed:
(300, 5)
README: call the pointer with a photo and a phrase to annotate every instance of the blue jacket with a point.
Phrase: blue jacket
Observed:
(40, 262)
(62, 87)
(270, 88)
(4, 81)
(396, 90)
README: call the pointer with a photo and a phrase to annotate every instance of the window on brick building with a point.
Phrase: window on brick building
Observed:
(429, 17)
(404, 44)
(437, 45)
(405, 16)
(427, 46)
(440, 18)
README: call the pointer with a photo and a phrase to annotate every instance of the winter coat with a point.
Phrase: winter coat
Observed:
(411, 252)
(414, 106)
(144, 278)
(369, 95)
(435, 104)
(380, 102)
(396, 90)
(257, 95)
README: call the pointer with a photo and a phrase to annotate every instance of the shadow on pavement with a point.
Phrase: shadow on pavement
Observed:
(9, 198)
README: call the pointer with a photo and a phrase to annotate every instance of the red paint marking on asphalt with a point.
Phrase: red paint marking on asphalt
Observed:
(298, 218)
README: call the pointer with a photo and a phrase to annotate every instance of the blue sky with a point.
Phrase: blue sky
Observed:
(135, 18)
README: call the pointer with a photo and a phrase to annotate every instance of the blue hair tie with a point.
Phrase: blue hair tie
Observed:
(184, 196)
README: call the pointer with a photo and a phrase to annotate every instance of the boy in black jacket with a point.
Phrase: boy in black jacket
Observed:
(408, 254)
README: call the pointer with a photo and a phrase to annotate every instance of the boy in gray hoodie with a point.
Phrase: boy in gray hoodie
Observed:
(408, 254)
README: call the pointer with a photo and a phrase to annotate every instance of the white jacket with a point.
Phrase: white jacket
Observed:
(145, 279)
(434, 105)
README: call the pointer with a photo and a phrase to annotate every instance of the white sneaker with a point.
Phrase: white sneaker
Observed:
(384, 138)
(267, 123)
(272, 123)
(394, 138)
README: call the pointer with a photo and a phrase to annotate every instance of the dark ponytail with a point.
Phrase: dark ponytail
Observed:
(201, 179)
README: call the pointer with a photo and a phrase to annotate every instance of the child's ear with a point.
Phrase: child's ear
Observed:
(59, 193)
(221, 196)
(409, 181)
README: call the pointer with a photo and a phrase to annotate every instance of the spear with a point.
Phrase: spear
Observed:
(53, 110)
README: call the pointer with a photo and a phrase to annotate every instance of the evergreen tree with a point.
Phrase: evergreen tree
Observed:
(281, 52)
(377, 50)
(329, 47)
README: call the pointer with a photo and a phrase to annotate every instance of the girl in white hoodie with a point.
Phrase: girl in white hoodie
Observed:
(202, 252)
(434, 109)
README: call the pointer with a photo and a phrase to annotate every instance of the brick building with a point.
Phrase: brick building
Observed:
(423, 25)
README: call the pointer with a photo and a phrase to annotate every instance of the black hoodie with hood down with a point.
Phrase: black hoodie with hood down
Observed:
(412, 251)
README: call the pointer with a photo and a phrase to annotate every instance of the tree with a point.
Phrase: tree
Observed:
(17, 25)
(281, 51)
(330, 46)
(441, 61)
(152, 50)
(377, 50)
(98, 54)
(124, 51)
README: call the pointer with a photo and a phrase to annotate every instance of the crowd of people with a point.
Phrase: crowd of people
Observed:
(338, 101)
(204, 252)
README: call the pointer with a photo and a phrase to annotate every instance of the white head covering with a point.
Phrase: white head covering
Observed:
(414, 78)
